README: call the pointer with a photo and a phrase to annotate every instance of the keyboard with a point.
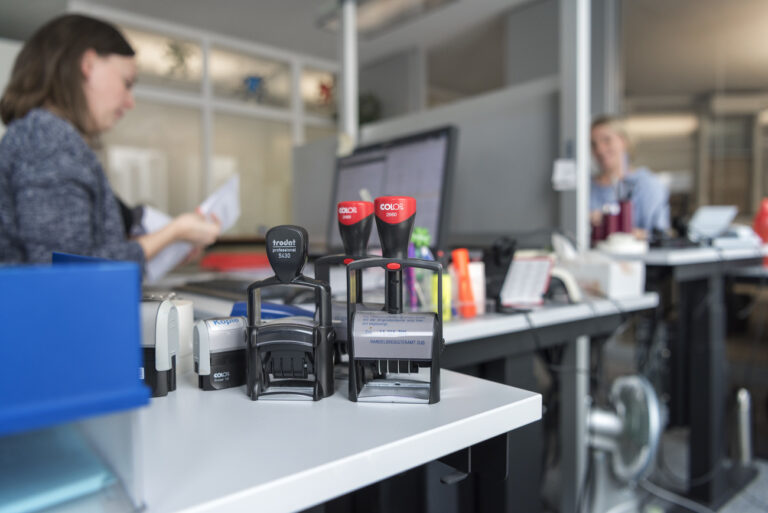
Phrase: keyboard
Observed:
(237, 289)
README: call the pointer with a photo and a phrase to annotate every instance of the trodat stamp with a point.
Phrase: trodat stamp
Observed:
(388, 347)
(289, 358)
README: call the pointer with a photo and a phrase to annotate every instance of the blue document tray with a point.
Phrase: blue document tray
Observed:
(69, 343)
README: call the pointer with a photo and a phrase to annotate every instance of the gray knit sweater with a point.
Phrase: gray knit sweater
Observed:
(54, 195)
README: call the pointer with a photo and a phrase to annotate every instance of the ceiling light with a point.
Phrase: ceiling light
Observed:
(662, 125)
(377, 16)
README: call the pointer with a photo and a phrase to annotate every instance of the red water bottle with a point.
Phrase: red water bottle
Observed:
(625, 216)
(760, 225)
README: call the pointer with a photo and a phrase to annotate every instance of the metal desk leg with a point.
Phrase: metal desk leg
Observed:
(521, 491)
(713, 484)
(706, 386)
(574, 383)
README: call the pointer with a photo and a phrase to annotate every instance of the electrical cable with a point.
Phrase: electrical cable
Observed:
(586, 485)
(669, 473)
(681, 480)
(540, 347)
(673, 498)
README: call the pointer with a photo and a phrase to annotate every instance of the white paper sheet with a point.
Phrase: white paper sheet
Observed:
(224, 203)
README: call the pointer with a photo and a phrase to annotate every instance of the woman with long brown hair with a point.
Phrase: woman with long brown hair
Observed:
(70, 83)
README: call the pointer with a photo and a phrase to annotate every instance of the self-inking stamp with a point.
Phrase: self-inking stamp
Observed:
(218, 348)
(355, 223)
(289, 358)
(387, 348)
(159, 345)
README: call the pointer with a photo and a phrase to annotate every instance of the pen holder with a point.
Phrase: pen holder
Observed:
(289, 358)
(387, 348)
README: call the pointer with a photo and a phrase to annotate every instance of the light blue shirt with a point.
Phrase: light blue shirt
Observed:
(650, 198)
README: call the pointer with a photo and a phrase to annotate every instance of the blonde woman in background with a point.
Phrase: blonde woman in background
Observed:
(618, 179)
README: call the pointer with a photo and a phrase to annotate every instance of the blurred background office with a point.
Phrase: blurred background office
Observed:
(252, 88)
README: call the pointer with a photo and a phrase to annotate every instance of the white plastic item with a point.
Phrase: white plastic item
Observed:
(623, 244)
(477, 277)
(185, 309)
(598, 274)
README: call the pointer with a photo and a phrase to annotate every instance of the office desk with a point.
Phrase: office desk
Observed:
(219, 451)
(698, 384)
(497, 342)
(751, 274)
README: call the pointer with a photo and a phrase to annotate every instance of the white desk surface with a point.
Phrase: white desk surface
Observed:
(219, 451)
(489, 325)
(684, 256)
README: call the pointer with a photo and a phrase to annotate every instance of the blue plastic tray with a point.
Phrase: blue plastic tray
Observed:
(69, 343)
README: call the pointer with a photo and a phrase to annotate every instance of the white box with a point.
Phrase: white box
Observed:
(601, 276)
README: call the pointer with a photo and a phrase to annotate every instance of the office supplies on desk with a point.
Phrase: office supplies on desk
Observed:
(290, 358)
(387, 348)
(186, 313)
(159, 344)
(355, 220)
(219, 352)
(526, 282)
(599, 274)
(271, 310)
(460, 262)
(497, 258)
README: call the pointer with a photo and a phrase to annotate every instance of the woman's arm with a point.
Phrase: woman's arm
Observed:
(189, 227)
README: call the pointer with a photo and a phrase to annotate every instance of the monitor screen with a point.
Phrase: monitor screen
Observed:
(419, 165)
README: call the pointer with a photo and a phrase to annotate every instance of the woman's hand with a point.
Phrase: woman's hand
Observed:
(191, 227)
(596, 218)
(195, 228)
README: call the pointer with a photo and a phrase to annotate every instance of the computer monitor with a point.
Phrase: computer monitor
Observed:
(418, 165)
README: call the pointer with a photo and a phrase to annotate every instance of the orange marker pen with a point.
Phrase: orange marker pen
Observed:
(466, 298)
